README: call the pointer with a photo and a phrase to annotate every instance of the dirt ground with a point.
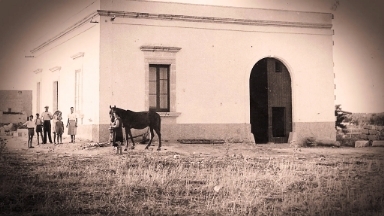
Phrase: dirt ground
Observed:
(247, 150)
(83, 178)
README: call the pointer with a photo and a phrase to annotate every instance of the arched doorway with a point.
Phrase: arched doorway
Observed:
(270, 101)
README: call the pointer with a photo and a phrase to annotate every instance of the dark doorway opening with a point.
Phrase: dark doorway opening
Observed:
(270, 101)
(278, 121)
(259, 101)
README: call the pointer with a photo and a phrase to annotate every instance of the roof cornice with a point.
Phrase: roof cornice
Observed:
(66, 31)
(186, 18)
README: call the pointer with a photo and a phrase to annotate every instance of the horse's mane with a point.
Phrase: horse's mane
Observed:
(119, 110)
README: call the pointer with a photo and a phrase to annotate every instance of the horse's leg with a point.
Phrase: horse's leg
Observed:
(159, 136)
(150, 141)
(130, 134)
(126, 138)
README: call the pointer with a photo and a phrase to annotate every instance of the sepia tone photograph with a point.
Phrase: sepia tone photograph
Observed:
(191, 107)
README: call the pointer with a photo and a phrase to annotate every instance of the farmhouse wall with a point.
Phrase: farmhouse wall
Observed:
(72, 60)
(214, 63)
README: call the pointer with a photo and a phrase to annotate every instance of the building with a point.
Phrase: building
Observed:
(15, 106)
(210, 71)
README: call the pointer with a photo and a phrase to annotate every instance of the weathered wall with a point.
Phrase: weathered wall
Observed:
(16, 100)
(215, 61)
(77, 50)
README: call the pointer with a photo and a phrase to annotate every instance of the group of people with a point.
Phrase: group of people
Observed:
(43, 124)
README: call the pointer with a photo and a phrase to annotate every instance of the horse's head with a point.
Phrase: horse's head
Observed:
(111, 111)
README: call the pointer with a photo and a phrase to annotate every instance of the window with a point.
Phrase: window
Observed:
(160, 77)
(278, 66)
(55, 96)
(38, 97)
(159, 88)
(78, 89)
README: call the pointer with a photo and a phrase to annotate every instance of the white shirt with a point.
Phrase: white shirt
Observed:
(30, 124)
(72, 116)
(46, 116)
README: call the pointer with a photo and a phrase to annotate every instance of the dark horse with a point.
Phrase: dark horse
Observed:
(138, 120)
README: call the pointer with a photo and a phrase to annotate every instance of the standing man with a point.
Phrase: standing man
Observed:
(47, 116)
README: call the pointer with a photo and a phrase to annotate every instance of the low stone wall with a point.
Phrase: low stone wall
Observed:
(368, 132)
(369, 135)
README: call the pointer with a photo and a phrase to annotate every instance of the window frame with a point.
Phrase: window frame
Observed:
(158, 92)
(162, 55)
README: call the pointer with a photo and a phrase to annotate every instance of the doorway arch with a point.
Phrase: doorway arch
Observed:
(270, 101)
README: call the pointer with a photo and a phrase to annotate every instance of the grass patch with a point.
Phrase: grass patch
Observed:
(151, 183)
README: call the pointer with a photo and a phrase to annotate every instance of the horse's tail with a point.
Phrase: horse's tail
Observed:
(159, 121)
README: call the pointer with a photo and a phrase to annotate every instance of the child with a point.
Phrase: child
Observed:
(31, 127)
(39, 128)
(59, 127)
(54, 120)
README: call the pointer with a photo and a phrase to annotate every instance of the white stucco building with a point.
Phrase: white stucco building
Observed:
(210, 71)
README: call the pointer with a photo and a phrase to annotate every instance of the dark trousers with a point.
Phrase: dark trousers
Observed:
(47, 129)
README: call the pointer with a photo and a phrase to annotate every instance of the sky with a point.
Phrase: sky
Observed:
(358, 51)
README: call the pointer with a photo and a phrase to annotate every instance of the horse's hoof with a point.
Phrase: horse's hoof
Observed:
(125, 149)
(146, 148)
(158, 149)
(132, 147)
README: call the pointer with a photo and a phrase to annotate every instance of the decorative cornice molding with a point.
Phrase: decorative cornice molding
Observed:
(137, 15)
(159, 49)
(175, 17)
(38, 71)
(77, 55)
(55, 68)
(66, 31)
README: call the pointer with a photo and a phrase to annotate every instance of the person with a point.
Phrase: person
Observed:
(31, 127)
(59, 127)
(39, 130)
(54, 120)
(47, 116)
(72, 125)
(117, 132)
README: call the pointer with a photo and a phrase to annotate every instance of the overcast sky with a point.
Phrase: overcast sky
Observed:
(358, 51)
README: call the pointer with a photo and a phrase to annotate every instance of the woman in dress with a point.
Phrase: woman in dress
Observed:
(117, 133)
(72, 125)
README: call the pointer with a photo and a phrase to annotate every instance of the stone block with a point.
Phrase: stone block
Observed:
(378, 143)
(326, 142)
(370, 127)
(363, 136)
(365, 131)
(373, 137)
(361, 143)
(372, 132)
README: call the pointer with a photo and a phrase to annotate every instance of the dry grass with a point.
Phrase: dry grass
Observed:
(151, 183)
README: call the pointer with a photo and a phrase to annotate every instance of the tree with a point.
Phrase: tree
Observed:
(340, 116)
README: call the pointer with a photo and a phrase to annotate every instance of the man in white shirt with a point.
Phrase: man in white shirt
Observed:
(46, 117)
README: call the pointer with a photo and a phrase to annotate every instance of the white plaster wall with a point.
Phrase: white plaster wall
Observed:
(85, 39)
(214, 64)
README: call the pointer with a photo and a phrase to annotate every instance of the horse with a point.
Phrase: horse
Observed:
(138, 120)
